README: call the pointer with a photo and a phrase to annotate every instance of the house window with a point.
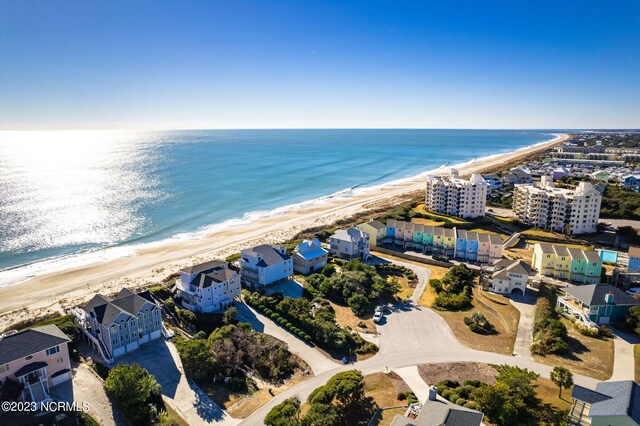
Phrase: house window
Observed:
(53, 350)
(4, 368)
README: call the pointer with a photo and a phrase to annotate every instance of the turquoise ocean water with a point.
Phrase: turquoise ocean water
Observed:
(65, 195)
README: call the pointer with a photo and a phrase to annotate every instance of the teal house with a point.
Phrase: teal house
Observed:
(596, 303)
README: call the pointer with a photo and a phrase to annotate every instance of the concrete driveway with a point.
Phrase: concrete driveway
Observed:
(623, 362)
(524, 337)
(316, 360)
(86, 386)
(161, 359)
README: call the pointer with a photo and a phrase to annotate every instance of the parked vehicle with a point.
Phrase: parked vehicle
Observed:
(633, 291)
(377, 317)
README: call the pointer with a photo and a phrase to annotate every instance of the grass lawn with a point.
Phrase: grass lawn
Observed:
(428, 296)
(259, 398)
(636, 361)
(383, 389)
(405, 289)
(503, 306)
(422, 210)
(346, 318)
(173, 417)
(427, 222)
(590, 356)
(502, 341)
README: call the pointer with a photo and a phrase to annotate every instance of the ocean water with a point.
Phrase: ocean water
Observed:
(68, 196)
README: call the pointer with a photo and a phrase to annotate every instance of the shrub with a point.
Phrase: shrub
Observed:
(453, 397)
(470, 405)
(237, 384)
(606, 331)
(448, 383)
(586, 330)
(446, 393)
(474, 383)
(461, 401)
(402, 396)
(452, 302)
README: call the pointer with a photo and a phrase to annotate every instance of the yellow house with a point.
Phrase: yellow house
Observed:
(544, 259)
(376, 230)
(583, 266)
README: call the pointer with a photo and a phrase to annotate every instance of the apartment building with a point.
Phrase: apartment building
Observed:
(264, 264)
(568, 211)
(208, 287)
(567, 263)
(455, 196)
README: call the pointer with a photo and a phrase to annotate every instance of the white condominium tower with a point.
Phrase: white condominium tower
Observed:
(455, 196)
(568, 211)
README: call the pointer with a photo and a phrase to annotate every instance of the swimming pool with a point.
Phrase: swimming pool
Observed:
(609, 256)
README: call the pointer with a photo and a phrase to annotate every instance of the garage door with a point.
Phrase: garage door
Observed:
(60, 378)
(603, 320)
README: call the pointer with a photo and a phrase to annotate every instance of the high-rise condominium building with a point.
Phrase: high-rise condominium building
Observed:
(455, 196)
(568, 211)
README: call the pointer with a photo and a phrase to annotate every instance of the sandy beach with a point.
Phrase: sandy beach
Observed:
(56, 291)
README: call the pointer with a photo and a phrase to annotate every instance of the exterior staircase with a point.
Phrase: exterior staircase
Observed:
(511, 241)
(37, 391)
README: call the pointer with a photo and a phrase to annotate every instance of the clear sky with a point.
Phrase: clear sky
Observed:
(278, 64)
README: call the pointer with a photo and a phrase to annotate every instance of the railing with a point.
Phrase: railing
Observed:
(97, 343)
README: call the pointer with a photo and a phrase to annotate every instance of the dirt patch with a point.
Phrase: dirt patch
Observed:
(383, 389)
(590, 356)
(459, 371)
(346, 318)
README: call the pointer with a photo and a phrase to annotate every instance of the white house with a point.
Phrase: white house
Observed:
(121, 325)
(208, 287)
(309, 257)
(264, 265)
(349, 244)
(510, 276)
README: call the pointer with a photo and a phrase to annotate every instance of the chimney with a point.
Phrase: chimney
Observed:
(609, 298)
(433, 393)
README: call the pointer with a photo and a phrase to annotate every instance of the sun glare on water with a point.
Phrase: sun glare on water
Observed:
(72, 188)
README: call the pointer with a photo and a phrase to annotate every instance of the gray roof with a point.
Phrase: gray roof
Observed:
(440, 413)
(126, 302)
(270, 256)
(215, 271)
(593, 295)
(611, 399)
(376, 224)
(204, 267)
(29, 342)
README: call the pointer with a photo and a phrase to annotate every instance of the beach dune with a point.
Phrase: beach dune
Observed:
(55, 291)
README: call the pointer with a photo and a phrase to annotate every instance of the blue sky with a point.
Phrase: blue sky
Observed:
(279, 64)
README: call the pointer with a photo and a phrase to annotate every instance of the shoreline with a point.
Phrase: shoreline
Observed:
(55, 290)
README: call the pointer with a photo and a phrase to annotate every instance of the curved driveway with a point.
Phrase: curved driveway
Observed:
(411, 335)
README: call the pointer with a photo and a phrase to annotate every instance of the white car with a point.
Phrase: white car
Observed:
(377, 317)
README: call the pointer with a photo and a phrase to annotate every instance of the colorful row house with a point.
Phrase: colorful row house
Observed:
(567, 263)
(450, 242)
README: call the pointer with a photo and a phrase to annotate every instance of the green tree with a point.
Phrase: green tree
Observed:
(358, 304)
(562, 377)
(498, 404)
(10, 390)
(196, 358)
(286, 413)
(230, 315)
(520, 380)
(134, 388)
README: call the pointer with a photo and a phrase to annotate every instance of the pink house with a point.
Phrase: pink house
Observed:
(37, 358)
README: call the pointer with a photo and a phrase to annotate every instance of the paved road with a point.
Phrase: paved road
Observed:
(317, 361)
(161, 359)
(499, 211)
(87, 387)
(621, 222)
(524, 337)
(410, 336)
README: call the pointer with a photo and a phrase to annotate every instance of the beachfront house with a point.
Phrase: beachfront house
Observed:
(309, 257)
(510, 276)
(600, 175)
(264, 265)
(349, 244)
(454, 196)
(596, 303)
(38, 358)
(208, 287)
(567, 263)
(520, 174)
(120, 325)
(612, 403)
(634, 259)
(377, 232)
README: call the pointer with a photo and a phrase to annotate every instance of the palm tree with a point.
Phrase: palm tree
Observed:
(562, 377)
